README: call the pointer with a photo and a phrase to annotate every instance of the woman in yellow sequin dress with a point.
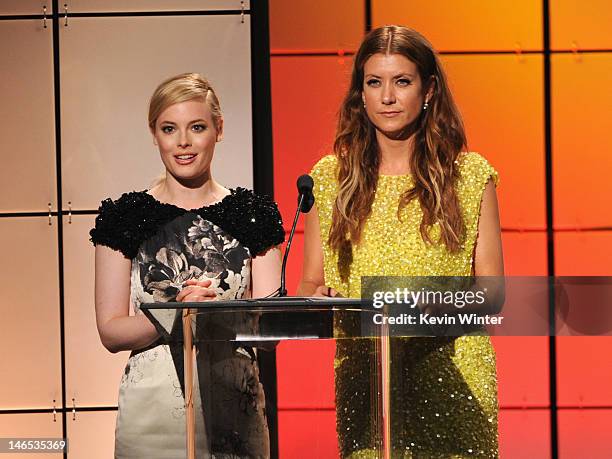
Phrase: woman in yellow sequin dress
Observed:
(401, 197)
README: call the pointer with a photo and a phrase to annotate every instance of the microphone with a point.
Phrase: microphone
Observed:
(304, 186)
(305, 202)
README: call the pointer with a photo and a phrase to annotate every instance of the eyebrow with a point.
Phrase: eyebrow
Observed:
(399, 75)
(199, 120)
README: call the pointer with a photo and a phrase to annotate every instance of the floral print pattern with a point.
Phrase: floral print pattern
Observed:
(190, 247)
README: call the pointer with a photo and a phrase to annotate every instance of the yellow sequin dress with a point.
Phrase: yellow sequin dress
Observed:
(444, 389)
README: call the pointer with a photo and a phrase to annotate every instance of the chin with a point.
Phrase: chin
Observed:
(190, 177)
(395, 130)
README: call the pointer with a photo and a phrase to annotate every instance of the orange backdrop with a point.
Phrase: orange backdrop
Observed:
(494, 56)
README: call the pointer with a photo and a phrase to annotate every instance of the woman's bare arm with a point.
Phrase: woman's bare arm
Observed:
(266, 270)
(118, 330)
(313, 275)
(488, 254)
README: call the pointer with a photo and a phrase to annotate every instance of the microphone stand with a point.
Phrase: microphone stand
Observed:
(283, 290)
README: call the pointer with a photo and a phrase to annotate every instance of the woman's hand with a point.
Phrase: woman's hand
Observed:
(195, 291)
(325, 291)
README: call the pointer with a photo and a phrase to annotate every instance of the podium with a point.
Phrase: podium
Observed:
(213, 342)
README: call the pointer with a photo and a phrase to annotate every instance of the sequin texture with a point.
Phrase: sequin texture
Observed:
(136, 216)
(443, 390)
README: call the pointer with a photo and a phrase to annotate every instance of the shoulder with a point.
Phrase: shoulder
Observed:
(325, 177)
(325, 169)
(473, 167)
(125, 204)
(243, 202)
(253, 219)
(122, 224)
(249, 198)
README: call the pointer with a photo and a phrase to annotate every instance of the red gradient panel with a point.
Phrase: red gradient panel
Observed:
(294, 262)
(584, 253)
(522, 370)
(304, 25)
(307, 434)
(585, 434)
(467, 25)
(580, 24)
(307, 376)
(522, 362)
(581, 140)
(500, 98)
(524, 254)
(584, 370)
(524, 434)
(312, 434)
(306, 95)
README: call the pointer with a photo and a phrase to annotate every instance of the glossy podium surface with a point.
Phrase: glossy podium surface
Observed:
(214, 357)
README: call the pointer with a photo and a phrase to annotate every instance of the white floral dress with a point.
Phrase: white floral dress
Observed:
(167, 246)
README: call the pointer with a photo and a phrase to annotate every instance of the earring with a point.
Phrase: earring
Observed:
(425, 105)
(364, 106)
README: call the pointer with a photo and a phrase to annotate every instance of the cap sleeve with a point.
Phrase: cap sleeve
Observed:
(257, 222)
(114, 226)
(474, 167)
(324, 172)
(475, 173)
(325, 190)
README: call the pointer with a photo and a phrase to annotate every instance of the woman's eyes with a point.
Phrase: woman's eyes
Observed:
(400, 82)
(194, 128)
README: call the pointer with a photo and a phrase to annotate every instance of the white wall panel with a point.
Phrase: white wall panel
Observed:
(30, 425)
(88, 6)
(110, 67)
(91, 435)
(92, 373)
(16, 7)
(29, 329)
(27, 126)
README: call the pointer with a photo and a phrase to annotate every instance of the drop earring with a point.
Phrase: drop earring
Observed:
(425, 105)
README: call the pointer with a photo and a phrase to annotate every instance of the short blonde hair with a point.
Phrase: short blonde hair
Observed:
(183, 88)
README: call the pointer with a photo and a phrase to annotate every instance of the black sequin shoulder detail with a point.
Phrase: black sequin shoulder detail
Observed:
(126, 223)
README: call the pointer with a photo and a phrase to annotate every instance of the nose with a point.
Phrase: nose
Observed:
(184, 141)
(388, 94)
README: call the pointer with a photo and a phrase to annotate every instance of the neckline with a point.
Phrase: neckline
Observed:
(394, 176)
(232, 192)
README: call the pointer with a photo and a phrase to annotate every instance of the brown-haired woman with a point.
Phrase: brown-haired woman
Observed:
(401, 197)
(187, 239)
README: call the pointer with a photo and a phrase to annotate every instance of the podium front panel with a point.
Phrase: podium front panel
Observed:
(230, 399)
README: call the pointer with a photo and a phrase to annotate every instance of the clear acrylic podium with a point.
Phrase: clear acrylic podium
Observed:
(197, 332)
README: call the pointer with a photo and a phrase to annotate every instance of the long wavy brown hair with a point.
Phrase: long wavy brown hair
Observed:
(439, 137)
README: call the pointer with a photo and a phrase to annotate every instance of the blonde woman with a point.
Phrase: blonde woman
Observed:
(187, 239)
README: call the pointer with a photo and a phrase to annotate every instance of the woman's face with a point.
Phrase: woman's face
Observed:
(186, 136)
(393, 92)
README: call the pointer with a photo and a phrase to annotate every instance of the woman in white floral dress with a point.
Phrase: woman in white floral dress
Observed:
(186, 239)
